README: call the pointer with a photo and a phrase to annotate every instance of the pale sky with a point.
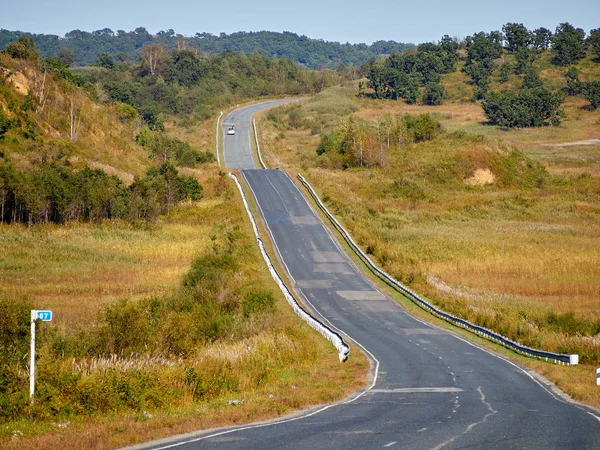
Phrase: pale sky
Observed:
(332, 20)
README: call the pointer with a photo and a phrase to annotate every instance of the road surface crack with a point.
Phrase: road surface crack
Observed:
(470, 427)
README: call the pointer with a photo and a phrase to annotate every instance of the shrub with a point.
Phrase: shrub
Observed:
(527, 108)
(591, 92)
(24, 48)
(423, 127)
(257, 301)
(408, 189)
(5, 124)
(14, 327)
(433, 94)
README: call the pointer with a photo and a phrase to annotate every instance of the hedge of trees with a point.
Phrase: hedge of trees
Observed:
(60, 194)
(357, 142)
(187, 84)
(416, 76)
(403, 75)
(82, 48)
(528, 107)
(181, 82)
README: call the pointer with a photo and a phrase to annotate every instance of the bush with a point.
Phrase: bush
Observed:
(126, 327)
(5, 125)
(24, 48)
(408, 189)
(257, 301)
(15, 319)
(423, 127)
(166, 148)
(527, 108)
(433, 94)
(591, 92)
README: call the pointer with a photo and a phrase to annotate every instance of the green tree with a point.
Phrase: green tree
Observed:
(532, 79)
(484, 47)
(525, 108)
(541, 39)
(480, 76)
(186, 68)
(568, 44)
(482, 50)
(449, 53)
(24, 48)
(573, 85)
(105, 60)
(375, 77)
(591, 92)
(594, 41)
(504, 71)
(517, 36)
(66, 56)
(433, 94)
(524, 59)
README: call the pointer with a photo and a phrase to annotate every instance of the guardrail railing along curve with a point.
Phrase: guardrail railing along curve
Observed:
(342, 348)
(489, 334)
(217, 135)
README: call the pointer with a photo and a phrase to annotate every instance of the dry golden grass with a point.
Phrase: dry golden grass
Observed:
(76, 268)
(507, 257)
(106, 134)
(301, 385)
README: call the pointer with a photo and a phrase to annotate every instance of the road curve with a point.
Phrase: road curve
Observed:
(240, 119)
(433, 389)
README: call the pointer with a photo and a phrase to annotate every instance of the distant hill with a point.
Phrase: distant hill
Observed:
(312, 53)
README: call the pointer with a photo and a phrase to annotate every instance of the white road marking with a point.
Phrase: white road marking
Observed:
(416, 390)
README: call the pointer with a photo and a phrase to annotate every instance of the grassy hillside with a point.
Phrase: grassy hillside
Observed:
(495, 226)
(160, 326)
(39, 106)
(155, 331)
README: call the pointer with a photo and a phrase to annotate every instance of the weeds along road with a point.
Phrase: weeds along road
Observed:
(432, 389)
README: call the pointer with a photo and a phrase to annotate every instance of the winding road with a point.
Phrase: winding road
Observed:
(432, 389)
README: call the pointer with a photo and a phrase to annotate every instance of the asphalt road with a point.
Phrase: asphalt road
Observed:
(241, 119)
(433, 389)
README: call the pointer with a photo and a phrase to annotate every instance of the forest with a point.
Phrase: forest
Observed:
(85, 47)
(159, 84)
(416, 76)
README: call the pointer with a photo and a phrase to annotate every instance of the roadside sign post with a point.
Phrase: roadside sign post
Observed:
(44, 316)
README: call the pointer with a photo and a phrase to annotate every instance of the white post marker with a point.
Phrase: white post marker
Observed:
(597, 377)
(44, 316)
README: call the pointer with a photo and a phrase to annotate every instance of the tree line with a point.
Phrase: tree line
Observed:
(415, 76)
(180, 82)
(85, 47)
(59, 194)
(403, 75)
(185, 83)
(361, 143)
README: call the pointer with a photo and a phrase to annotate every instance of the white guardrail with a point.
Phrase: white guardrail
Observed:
(484, 332)
(217, 134)
(262, 163)
(328, 333)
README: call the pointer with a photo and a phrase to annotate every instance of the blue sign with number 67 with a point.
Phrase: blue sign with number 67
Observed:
(44, 316)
